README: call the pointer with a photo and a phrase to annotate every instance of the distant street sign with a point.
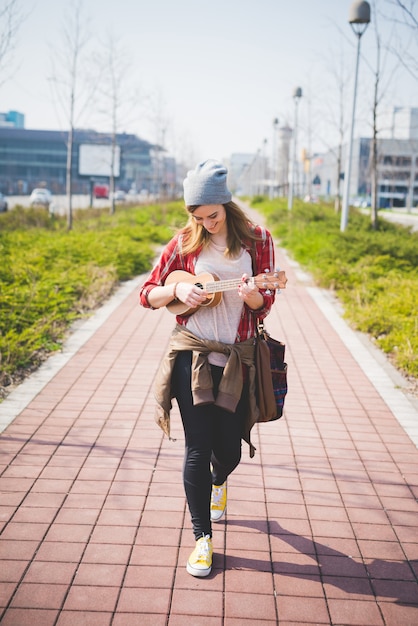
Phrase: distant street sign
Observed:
(96, 160)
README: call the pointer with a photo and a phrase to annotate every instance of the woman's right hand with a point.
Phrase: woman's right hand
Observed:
(190, 294)
(186, 292)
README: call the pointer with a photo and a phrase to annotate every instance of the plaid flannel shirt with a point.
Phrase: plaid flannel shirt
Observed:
(172, 259)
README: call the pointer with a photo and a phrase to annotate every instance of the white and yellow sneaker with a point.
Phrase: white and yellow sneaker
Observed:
(200, 560)
(218, 502)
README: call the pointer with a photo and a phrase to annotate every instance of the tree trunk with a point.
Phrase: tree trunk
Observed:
(112, 207)
(69, 178)
(337, 204)
(374, 181)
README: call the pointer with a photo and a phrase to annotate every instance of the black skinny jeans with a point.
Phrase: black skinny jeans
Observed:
(212, 435)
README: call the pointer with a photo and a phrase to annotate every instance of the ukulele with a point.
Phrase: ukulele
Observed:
(214, 286)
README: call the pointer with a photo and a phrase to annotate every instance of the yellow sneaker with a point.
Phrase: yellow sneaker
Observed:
(218, 502)
(200, 560)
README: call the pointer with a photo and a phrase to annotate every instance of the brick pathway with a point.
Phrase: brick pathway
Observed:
(321, 526)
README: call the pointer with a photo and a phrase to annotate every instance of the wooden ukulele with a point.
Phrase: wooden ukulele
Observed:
(215, 287)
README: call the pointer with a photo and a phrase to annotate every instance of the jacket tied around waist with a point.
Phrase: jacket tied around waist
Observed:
(230, 387)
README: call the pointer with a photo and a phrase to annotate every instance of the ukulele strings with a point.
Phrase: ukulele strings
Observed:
(223, 285)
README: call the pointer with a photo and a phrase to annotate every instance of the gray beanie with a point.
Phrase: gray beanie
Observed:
(206, 184)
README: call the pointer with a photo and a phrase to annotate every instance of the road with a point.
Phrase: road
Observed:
(400, 216)
(59, 205)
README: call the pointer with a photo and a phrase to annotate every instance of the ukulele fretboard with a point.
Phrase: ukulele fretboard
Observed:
(222, 285)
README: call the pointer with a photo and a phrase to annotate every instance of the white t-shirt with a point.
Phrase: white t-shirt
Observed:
(220, 323)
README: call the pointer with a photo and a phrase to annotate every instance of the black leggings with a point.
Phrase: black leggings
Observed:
(212, 435)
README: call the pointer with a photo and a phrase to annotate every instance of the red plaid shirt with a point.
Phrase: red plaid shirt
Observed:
(172, 259)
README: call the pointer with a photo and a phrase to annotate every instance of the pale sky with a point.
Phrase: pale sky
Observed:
(217, 72)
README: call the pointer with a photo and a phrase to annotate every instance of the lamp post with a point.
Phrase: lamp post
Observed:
(264, 166)
(359, 19)
(297, 94)
(273, 180)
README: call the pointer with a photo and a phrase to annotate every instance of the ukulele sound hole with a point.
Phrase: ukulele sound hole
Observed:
(199, 285)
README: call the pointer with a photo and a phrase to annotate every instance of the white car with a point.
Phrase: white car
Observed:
(119, 195)
(40, 196)
(3, 204)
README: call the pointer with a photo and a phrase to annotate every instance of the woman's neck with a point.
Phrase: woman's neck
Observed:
(219, 240)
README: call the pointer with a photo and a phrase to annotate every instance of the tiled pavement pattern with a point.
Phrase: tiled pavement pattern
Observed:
(321, 526)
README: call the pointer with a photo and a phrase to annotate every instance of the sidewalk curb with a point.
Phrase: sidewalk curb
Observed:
(365, 354)
(80, 333)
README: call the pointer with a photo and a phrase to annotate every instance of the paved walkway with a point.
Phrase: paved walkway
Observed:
(321, 526)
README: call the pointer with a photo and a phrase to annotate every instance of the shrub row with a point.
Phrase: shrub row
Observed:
(373, 272)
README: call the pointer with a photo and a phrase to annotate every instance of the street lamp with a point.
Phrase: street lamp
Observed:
(359, 19)
(274, 158)
(297, 94)
(264, 166)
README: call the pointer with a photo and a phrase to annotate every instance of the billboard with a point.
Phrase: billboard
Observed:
(96, 160)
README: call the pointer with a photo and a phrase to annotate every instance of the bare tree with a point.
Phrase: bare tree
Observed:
(66, 66)
(382, 75)
(11, 19)
(376, 99)
(332, 137)
(161, 123)
(404, 43)
(117, 97)
(340, 79)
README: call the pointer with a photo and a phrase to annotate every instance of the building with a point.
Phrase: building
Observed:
(12, 119)
(283, 164)
(324, 171)
(238, 164)
(37, 158)
(399, 123)
(397, 163)
(397, 173)
(257, 174)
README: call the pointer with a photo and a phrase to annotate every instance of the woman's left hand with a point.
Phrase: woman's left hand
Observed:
(249, 293)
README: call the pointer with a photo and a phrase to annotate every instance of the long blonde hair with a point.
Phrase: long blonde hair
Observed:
(240, 231)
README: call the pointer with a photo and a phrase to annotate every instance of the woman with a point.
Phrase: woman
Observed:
(211, 352)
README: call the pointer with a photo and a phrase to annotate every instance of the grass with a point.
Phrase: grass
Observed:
(373, 273)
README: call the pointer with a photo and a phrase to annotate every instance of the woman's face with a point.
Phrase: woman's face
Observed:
(212, 217)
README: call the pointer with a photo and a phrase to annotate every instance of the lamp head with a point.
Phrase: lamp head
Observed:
(359, 13)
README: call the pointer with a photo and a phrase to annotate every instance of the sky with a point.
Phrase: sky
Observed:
(206, 79)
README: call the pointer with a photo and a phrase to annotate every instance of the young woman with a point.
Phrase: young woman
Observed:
(209, 365)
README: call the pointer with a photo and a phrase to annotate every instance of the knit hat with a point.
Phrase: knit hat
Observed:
(206, 184)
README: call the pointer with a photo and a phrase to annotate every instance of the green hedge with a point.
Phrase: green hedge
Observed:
(49, 277)
(374, 273)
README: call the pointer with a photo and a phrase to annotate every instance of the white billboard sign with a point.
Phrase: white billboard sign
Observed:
(96, 160)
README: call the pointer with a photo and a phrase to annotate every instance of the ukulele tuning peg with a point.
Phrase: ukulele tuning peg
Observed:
(268, 292)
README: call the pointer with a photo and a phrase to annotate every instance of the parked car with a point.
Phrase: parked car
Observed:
(40, 196)
(3, 204)
(101, 191)
(119, 195)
